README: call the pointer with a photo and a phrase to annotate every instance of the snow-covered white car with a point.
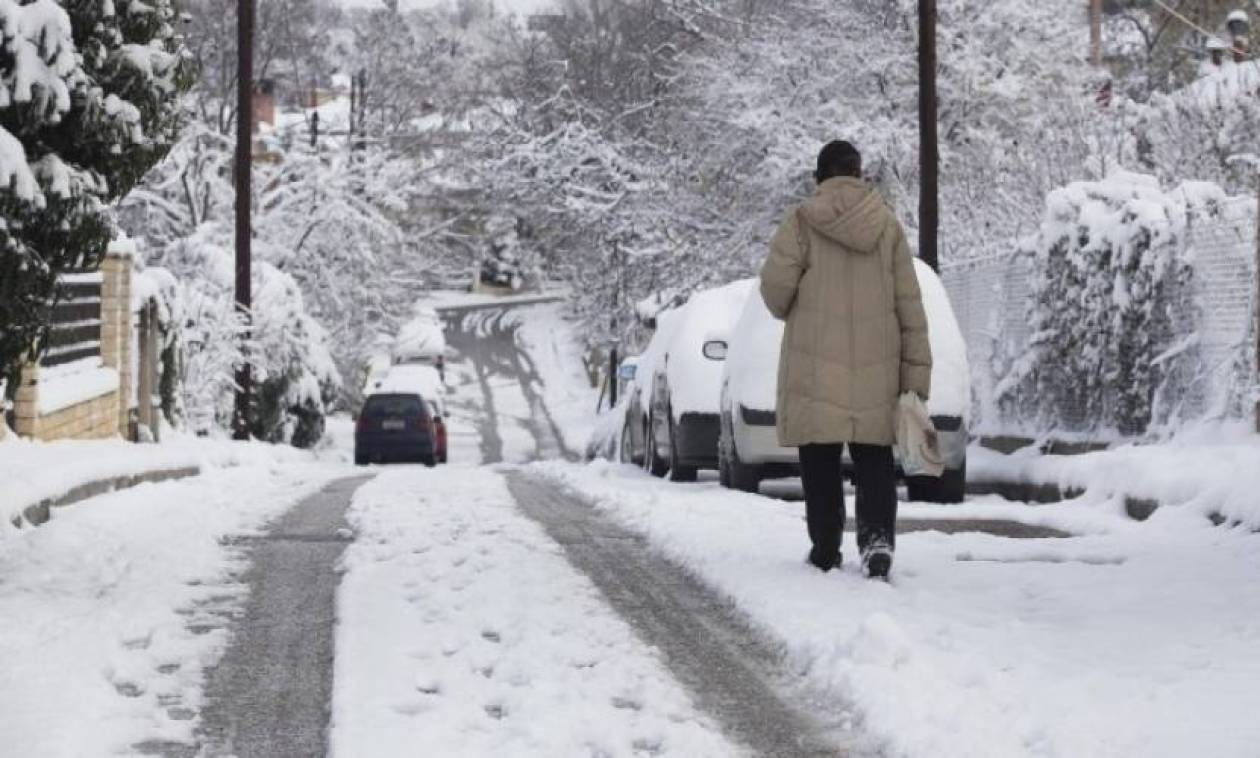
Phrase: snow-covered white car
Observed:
(749, 449)
(676, 385)
(421, 341)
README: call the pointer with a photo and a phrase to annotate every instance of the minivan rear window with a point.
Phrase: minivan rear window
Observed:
(395, 406)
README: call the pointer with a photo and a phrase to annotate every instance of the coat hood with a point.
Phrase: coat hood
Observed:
(850, 212)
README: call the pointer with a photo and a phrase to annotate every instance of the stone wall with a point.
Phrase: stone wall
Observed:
(106, 415)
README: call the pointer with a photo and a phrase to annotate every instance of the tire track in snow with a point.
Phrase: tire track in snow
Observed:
(734, 674)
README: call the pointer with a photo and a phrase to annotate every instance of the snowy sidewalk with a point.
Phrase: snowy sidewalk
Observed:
(463, 631)
(32, 472)
(110, 614)
(1212, 471)
(1132, 640)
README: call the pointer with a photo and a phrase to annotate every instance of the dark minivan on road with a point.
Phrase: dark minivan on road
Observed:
(395, 427)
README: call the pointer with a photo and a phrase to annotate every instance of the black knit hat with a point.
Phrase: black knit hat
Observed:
(838, 158)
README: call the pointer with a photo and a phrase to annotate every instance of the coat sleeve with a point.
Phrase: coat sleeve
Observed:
(781, 273)
(916, 350)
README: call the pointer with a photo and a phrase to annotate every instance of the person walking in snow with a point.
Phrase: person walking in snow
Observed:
(841, 275)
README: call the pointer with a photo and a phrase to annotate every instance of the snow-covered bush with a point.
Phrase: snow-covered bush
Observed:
(296, 377)
(1111, 293)
(89, 98)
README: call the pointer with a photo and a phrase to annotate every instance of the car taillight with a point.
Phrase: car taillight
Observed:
(423, 424)
(361, 425)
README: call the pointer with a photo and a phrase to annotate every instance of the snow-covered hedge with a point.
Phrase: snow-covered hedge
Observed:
(296, 377)
(1116, 312)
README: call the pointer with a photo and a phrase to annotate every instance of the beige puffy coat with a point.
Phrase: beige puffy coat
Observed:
(841, 275)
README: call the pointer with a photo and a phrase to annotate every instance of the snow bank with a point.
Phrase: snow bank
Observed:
(113, 611)
(462, 630)
(1137, 639)
(1211, 470)
(36, 471)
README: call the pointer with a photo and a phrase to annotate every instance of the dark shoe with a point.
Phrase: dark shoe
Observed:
(824, 565)
(877, 559)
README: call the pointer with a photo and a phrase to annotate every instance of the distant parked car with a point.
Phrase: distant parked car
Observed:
(395, 427)
(421, 341)
(678, 379)
(749, 447)
(426, 382)
(638, 372)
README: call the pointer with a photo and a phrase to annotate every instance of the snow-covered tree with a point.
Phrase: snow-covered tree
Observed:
(89, 100)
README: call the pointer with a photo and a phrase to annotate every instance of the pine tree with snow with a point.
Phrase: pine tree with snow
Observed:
(89, 101)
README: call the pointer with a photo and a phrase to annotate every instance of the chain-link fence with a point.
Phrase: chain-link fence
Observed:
(1206, 360)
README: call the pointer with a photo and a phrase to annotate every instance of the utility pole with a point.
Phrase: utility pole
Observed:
(1095, 33)
(1258, 299)
(929, 146)
(244, 163)
(354, 105)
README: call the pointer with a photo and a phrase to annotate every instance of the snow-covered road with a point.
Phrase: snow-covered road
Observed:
(1130, 639)
(110, 613)
(565, 609)
(463, 631)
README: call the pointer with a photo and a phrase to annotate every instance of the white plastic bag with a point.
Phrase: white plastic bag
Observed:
(916, 438)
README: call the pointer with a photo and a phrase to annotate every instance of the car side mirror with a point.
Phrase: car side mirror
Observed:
(627, 371)
(715, 350)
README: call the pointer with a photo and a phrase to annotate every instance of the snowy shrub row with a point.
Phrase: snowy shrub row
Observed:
(294, 373)
(1115, 311)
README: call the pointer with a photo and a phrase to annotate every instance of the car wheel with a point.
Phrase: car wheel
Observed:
(360, 459)
(652, 461)
(724, 459)
(949, 487)
(677, 471)
(740, 476)
(429, 460)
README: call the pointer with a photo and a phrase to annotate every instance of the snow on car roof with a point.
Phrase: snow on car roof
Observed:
(695, 380)
(419, 338)
(412, 378)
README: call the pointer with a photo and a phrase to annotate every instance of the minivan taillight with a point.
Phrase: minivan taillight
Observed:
(423, 424)
(361, 425)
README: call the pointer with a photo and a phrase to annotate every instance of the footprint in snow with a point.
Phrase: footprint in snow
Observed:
(491, 636)
(411, 709)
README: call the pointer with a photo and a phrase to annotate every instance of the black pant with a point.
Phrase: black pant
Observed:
(876, 506)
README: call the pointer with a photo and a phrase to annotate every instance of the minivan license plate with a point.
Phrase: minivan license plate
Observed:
(392, 424)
